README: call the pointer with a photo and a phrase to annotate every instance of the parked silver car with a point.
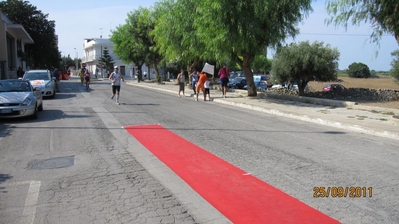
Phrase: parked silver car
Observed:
(42, 79)
(18, 98)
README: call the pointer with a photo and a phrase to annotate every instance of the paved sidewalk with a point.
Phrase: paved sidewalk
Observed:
(376, 121)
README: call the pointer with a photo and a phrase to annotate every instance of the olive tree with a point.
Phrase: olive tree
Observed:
(305, 62)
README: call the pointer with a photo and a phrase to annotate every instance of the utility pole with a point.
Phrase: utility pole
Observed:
(102, 75)
(76, 62)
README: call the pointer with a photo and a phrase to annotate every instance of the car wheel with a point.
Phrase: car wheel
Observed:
(40, 108)
(34, 115)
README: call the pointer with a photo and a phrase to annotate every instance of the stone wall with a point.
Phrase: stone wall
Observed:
(351, 94)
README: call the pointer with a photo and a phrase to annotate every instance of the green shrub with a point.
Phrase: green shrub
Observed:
(359, 70)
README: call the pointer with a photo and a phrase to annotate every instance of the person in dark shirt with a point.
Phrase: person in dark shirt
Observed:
(20, 72)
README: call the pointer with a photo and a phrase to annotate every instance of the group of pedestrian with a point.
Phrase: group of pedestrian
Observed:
(201, 82)
(198, 82)
(203, 85)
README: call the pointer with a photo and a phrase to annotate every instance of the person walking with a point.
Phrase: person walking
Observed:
(20, 72)
(194, 80)
(116, 79)
(224, 74)
(207, 86)
(57, 80)
(200, 85)
(181, 78)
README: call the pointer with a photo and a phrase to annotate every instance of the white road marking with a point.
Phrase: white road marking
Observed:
(32, 197)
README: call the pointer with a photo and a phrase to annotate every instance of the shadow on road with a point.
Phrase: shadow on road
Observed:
(4, 178)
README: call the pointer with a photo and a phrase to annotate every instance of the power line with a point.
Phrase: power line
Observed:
(340, 34)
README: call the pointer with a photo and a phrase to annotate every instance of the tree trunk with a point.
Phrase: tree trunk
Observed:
(301, 87)
(149, 71)
(158, 78)
(139, 72)
(246, 67)
(190, 69)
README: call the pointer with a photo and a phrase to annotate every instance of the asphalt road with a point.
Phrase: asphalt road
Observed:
(110, 181)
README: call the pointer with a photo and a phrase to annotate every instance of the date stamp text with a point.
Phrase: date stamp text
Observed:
(342, 192)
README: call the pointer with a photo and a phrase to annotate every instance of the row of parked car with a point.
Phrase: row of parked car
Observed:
(240, 82)
(24, 97)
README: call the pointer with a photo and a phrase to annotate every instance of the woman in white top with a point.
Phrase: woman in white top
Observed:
(116, 79)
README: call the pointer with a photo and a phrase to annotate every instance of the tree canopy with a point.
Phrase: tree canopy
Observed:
(383, 15)
(240, 30)
(175, 34)
(262, 64)
(44, 52)
(106, 60)
(214, 30)
(359, 70)
(133, 42)
(304, 62)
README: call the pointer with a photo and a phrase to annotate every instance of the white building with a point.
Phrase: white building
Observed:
(13, 38)
(92, 51)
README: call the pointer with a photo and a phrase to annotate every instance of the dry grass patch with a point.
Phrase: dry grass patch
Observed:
(372, 83)
(390, 104)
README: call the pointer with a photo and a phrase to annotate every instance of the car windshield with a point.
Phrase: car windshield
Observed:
(36, 76)
(14, 86)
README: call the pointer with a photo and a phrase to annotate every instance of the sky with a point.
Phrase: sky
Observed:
(76, 20)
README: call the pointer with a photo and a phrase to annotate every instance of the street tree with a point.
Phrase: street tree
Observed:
(383, 15)
(39, 28)
(240, 30)
(304, 62)
(66, 62)
(126, 47)
(146, 24)
(394, 72)
(106, 60)
(262, 64)
(359, 70)
(176, 37)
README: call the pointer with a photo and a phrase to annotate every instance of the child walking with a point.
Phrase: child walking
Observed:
(207, 91)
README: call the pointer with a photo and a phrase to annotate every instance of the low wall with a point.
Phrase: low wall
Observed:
(351, 94)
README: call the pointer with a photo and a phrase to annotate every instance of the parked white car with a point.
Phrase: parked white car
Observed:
(18, 98)
(42, 80)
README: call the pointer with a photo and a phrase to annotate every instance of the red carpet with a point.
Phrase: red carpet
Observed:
(241, 198)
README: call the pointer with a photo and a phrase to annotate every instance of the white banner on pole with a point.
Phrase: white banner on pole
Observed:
(208, 68)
